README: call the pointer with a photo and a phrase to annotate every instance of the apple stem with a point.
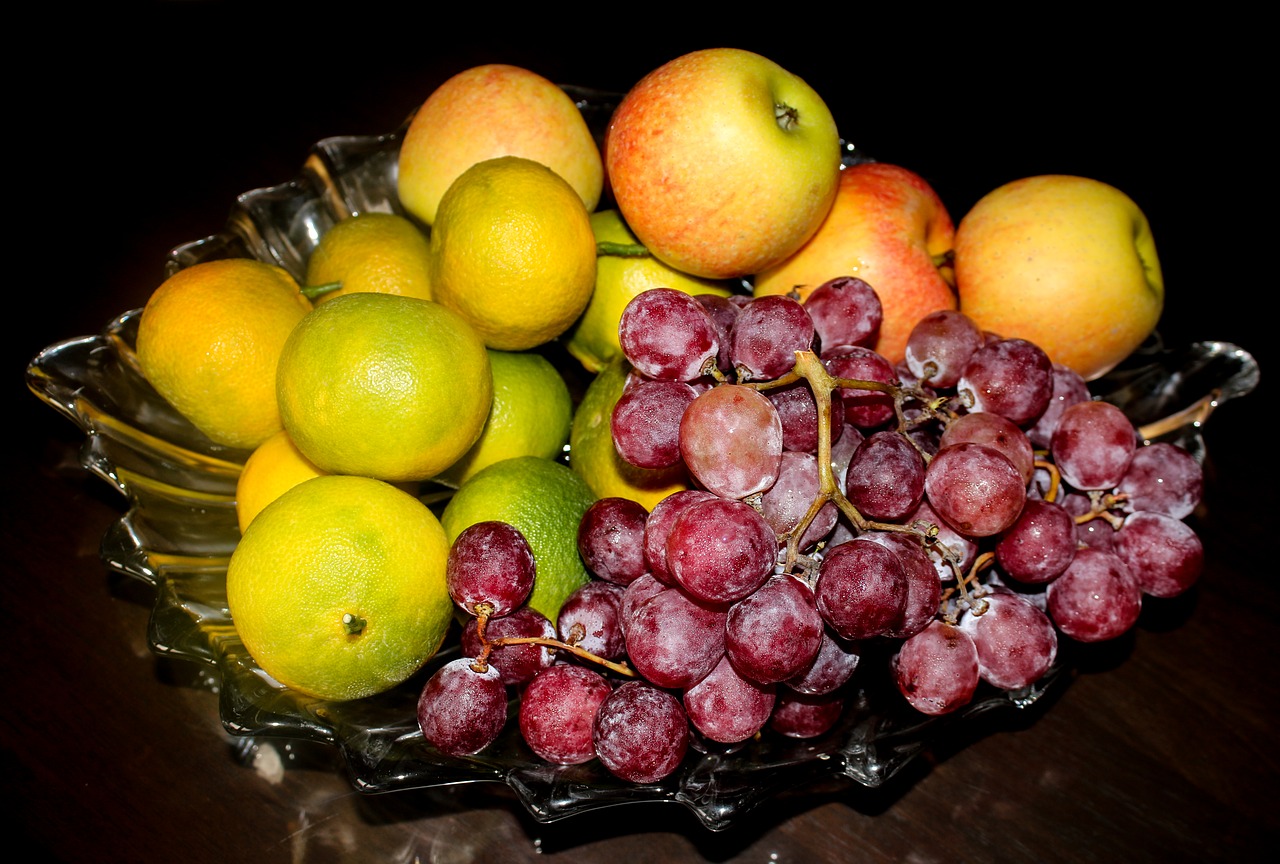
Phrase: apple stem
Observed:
(788, 118)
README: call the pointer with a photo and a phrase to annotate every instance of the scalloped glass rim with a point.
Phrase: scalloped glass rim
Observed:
(180, 529)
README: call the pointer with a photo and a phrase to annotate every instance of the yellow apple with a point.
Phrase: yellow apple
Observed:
(1065, 262)
(490, 111)
(889, 228)
(722, 162)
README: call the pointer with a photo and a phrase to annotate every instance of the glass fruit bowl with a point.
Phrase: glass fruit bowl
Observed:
(180, 528)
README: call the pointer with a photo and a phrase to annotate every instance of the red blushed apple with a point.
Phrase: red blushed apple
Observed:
(722, 162)
(889, 228)
(489, 111)
(1065, 262)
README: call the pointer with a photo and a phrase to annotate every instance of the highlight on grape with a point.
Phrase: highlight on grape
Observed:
(960, 513)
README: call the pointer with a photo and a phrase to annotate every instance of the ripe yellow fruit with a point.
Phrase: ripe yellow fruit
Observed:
(209, 341)
(382, 253)
(545, 501)
(593, 456)
(489, 111)
(337, 588)
(275, 467)
(513, 252)
(531, 413)
(384, 386)
(1066, 262)
(593, 340)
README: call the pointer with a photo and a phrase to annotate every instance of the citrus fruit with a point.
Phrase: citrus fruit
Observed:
(545, 501)
(488, 111)
(513, 252)
(337, 588)
(378, 252)
(593, 456)
(620, 276)
(273, 468)
(531, 413)
(209, 341)
(384, 386)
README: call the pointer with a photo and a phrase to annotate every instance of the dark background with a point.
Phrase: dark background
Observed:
(142, 123)
(132, 128)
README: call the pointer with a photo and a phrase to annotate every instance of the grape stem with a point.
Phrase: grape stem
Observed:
(971, 601)
(1055, 478)
(810, 368)
(484, 611)
(1101, 505)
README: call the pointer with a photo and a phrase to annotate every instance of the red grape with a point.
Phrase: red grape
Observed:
(674, 640)
(1093, 445)
(645, 423)
(666, 334)
(975, 488)
(611, 539)
(558, 710)
(846, 312)
(1016, 642)
(775, 633)
(658, 526)
(490, 562)
(1164, 554)
(727, 707)
(731, 440)
(1096, 598)
(1010, 377)
(1164, 478)
(861, 589)
(885, 478)
(591, 618)
(936, 670)
(721, 550)
(461, 711)
(766, 335)
(516, 663)
(1037, 547)
(641, 733)
(940, 345)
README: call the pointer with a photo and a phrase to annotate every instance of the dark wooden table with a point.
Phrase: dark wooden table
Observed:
(1162, 748)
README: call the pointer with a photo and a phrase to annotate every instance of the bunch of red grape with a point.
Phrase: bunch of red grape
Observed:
(964, 508)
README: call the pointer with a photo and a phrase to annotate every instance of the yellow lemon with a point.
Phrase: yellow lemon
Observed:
(382, 253)
(209, 342)
(623, 270)
(593, 456)
(337, 588)
(531, 413)
(512, 252)
(272, 469)
(545, 501)
(384, 386)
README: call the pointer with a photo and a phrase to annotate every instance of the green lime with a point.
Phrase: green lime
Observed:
(545, 500)
(531, 413)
